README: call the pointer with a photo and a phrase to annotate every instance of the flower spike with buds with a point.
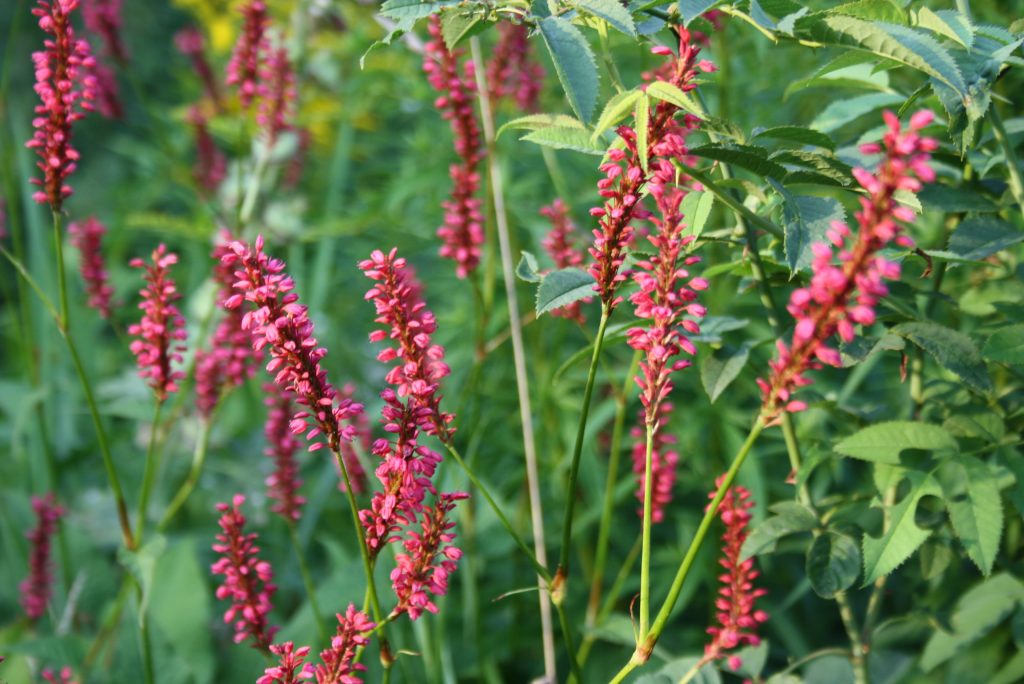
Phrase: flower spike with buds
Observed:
(87, 236)
(840, 296)
(560, 243)
(66, 90)
(338, 660)
(511, 72)
(247, 579)
(277, 96)
(211, 164)
(161, 328)
(250, 52)
(35, 590)
(663, 464)
(291, 666)
(103, 17)
(283, 484)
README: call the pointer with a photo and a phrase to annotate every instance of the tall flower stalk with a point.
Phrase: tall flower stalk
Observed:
(250, 53)
(512, 72)
(87, 237)
(38, 586)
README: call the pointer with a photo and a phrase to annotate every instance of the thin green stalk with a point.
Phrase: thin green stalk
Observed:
(857, 659)
(644, 648)
(101, 435)
(733, 203)
(252, 189)
(192, 479)
(645, 553)
(145, 641)
(62, 285)
(307, 581)
(563, 621)
(561, 575)
(148, 475)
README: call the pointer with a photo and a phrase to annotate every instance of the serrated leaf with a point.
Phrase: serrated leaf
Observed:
(881, 10)
(807, 219)
(883, 442)
(615, 111)
(563, 287)
(948, 23)
(978, 612)
(691, 9)
(753, 159)
(534, 122)
(834, 170)
(611, 11)
(457, 26)
(791, 518)
(947, 199)
(1006, 345)
(833, 563)
(696, 208)
(798, 134)
(954, 351)
(839, 113)
(562, 138)
(975, 509)
(980, 237)
(661, 90)
(413, 9)
(574, 63)
(721, 367)
(902, 536)
(642, 120)
(527, 269)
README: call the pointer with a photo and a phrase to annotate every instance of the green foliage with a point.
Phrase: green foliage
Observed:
(562, 287)
(952, 349)
(833, 563)
(884, 442)
(574, 63)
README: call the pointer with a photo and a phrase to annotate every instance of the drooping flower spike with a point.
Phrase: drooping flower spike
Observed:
(250, 53)
(845, 294)
(512, 72)
(161, 330)
(561, 245)
(248, 581)
(87, 236)
(462, 232)
(66, 90)
(279, 323)
(36, 589)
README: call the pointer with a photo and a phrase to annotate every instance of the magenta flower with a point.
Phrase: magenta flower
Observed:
(277, 95)
(105, 91)
(512, 72)
(190, 42)
(362, 437)
(281, 324)
(842, 295)
(339, 666)
(103, 17)
(431, 558)
(250, 52)
(66, 91)
(625, 176)
(247, 579)
(663, 464)
(291, 666)
(736, 615)
(64, 676)
(211, 164)
(162, 328)
(560, 244)
(86, 238)
(283, 484)
(36, 589)
(462, 232)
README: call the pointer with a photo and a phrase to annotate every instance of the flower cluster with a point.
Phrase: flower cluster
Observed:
(663, 464)
(277, 95)
(103, 17)
(161, 328)
(462, 232)
(87, 237)
(247, 579)
(283, 484)
(66, 91)
(246, 64)
(211, 164)
(560, 243)
(512, 73)
(338, 660)
(625, 175)
(281, 324)
(737, 618)
(844, 294)
(35, 590)
(291, 665)
(190, 42)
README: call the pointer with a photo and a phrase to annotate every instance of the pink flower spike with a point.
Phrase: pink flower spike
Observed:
(283, 484)
(250, 53)
(561, 245)
(103, 17)
(291, 666)
(277, 96)
(37, 587)
(159, 333)
(663, 464)
(247, 579)
(66, 91)
(339, 666)
(211, 164)
(86, 237)
(512, 72)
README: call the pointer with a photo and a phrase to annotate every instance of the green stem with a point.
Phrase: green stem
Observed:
(561, 575)
(307, 581)
(644, 648)
(727, 198)
(148, 476)
(192, 479)
(145, 640)
(563, 621)
(857, 651)
(62, 286)
(252, 189)
(1012, 166)
(645, 553)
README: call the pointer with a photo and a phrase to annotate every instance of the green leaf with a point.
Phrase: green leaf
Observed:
(790, 518)
(839, 113)
(902, 536)
(691, 9)
(833, 563)
(721, 367)
(823, 167)
(807, 219)
(413, 9)
(574, 63)
(457, 26)
(797, 134)
(754, 159)
(880, 10)
(948, 23)
(977, 613)
(1006, 345)
(883, 442)
(674, 670)
(946, 199)
(535, 122)
(527, 269)
(975, 508)
(696, 209)
(565, 138)
(615, 111)
(979, 237)
(563, 287)
(954, 351)
(182, 608)
(611, 11)
(642, 118)
(935, 558)
(660, 90)
(142, 565)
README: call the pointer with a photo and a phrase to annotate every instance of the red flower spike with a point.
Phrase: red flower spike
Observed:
(87, 237)
(339, 666)
(247, 60)
(560, 244)
(161, 328)
(842, 295)
(512, 72)
(283, 484)
(277, 95)
(291, 666)
(36, 589)
(663, 464)
(211, 165)
(66, 90)
(103, 17)
(247, 579)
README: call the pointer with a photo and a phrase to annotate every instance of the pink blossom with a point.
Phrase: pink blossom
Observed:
(663, 464)
(105, 93)
(103, 17)
(247, 580)
(845, 294)
(190, 42)
(280, 323)
(561, 246)
(35, 590)
(277, 95)
(211, 164)
(735, 612)
(339, 666)
(64, 676)
(161, 328)
(283, 484)
(423, 571)
(512, 72)
(291, 666)
(86, 237)
(66, 91)
(462, 232)
(250, 53)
